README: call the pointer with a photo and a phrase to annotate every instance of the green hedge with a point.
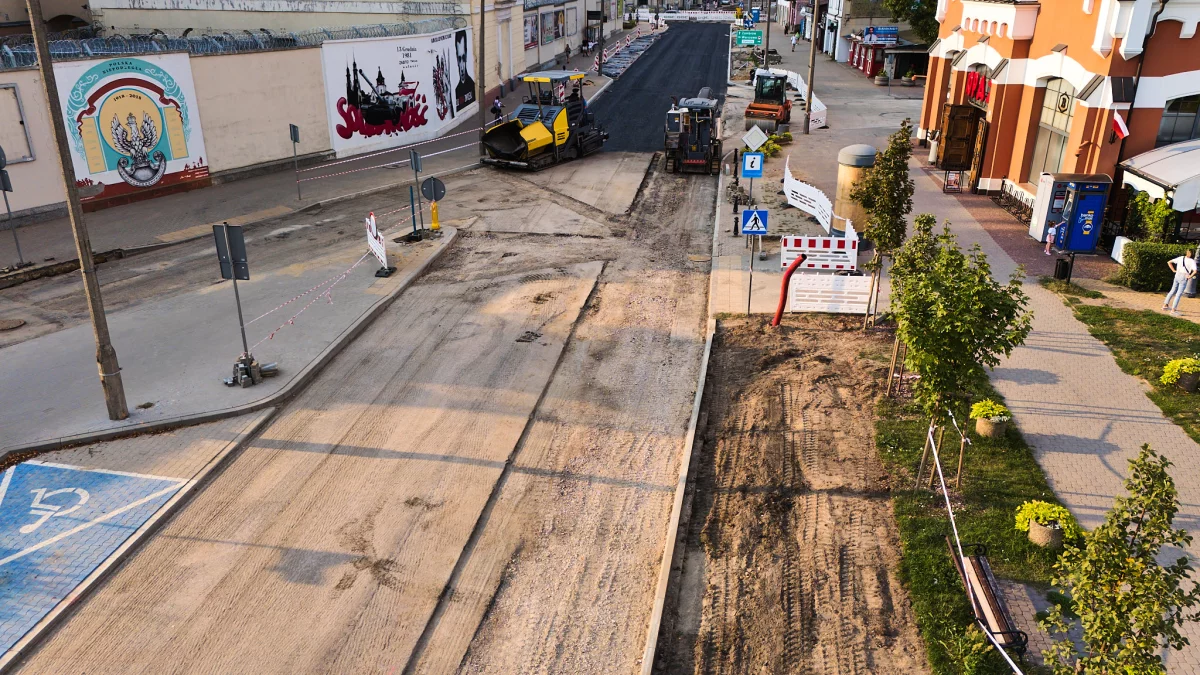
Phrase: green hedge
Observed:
(1145, 267)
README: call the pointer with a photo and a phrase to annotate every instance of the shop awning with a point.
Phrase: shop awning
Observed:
(1172, 171)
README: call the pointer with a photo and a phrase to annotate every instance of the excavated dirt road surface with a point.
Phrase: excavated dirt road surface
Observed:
(479, 483)
(792, 546)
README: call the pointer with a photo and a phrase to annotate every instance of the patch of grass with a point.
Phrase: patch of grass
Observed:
(1063, 288)
(1143, 342)
(998, 476)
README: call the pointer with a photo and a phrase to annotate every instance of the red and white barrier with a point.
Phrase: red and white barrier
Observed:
(826, 254)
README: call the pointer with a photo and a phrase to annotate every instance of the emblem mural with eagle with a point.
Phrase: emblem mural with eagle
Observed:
(140, 168)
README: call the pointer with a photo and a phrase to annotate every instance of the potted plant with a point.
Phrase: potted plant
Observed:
(1182, 372)
(881, 79)
(991, 418)
(1048, 524)
(909, 79)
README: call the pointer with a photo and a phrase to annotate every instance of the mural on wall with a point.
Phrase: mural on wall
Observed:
(133, 124)
(385, 92)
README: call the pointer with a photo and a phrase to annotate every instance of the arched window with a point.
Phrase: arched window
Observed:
(1003, 30)
(1054, 128)
(1180, 121)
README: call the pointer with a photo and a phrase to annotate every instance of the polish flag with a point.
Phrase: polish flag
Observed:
(1119, 127)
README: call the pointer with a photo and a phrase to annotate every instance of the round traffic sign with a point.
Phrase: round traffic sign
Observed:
(433, 189)
(3, 160)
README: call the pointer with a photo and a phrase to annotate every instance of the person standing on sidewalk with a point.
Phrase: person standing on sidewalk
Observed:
(1050, 232)
(498, 109)
(793, 42)
(1184, 268)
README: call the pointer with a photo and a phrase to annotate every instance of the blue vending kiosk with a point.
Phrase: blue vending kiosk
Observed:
(1083, 214)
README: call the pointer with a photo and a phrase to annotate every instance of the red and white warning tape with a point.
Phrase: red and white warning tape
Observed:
(328, 294)
(357, 158)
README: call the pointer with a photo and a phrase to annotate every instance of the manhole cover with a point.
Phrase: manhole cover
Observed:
(11, 324)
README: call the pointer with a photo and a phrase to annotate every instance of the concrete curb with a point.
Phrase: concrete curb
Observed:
(63, 609)
(67, 266)
(685, 462)
(286, 392)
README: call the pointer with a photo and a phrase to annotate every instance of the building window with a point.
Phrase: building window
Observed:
(1180, 121)
(1054, 128)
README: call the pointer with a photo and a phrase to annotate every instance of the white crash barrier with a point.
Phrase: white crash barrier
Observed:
(644, 14)
(826, 254)
(808, 198)
(819, 112)
(829, 293)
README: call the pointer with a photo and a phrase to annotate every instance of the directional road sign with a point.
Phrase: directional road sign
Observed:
(749, 38)
(752, 165)
(754, 138)
(754, 221)
(57, 524)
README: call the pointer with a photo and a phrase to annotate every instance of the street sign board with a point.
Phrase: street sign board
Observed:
(5, 183)
(375, 241)
(414, 160)
(752, 165)
(755, 14)
(754, 221)
(754, 138)
(433, 189)
(294, 133)
(749, 38)
(231, 252)
(3, 159)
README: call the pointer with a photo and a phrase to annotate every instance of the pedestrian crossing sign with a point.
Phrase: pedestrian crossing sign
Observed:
(754, 221)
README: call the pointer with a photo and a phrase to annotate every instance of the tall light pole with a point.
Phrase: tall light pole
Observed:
(812, 64)
(106, 356)
(481, 72)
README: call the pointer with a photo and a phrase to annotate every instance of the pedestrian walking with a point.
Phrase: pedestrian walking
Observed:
(793, 42)
(1184, 268)
(498, 109)
(1050, 232)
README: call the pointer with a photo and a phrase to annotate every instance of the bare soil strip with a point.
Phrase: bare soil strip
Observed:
(791, 547)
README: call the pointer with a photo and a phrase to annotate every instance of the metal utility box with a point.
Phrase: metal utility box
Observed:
(1077, 198)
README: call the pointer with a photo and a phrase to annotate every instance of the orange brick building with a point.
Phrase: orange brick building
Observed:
(1018, 87)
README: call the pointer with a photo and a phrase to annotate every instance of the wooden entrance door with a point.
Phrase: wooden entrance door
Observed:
(957, 143)
(981, 132)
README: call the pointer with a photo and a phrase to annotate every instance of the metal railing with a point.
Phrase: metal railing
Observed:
(17, 51)
(1015, 200)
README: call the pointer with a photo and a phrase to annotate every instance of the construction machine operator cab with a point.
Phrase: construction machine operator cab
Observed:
(770, 88)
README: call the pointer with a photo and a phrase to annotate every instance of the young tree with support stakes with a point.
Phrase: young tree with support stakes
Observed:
(955, 318)
(1129, 603)
(885, 192)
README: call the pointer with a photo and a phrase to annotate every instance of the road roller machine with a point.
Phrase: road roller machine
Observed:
(771, 109)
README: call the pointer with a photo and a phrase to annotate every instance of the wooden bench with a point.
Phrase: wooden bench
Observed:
(986, 599)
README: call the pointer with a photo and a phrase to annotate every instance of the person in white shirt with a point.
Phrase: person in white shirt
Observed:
(793, 42)
(1184, 268)
(1050, 234)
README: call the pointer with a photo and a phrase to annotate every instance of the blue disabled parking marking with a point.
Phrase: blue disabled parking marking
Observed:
(57, 524)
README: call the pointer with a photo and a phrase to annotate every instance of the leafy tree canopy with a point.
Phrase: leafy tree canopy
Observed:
(955, 318)
(1129, 604)
(885, 192)
(919, 14)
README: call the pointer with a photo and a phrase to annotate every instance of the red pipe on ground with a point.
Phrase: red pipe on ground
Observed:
(787, 276)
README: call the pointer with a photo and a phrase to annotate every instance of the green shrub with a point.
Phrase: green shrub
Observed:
(1145, 267)
(1152, 219)
(1046, 513)
(1177, 367)
(988, 409)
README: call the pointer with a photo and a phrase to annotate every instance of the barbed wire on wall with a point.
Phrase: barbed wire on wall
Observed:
(17, 51)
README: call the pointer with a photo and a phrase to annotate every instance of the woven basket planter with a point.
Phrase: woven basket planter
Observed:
(1045, 536)
(989, 429)
(1188, 382)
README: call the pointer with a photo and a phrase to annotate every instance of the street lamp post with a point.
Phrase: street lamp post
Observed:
(106, 356)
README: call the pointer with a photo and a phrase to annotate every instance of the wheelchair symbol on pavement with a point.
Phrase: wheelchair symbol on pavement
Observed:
(46, 511)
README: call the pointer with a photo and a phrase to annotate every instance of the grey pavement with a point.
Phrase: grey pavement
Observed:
(174, 351)
(1082, 415)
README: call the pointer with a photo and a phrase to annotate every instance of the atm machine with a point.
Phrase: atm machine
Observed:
(1075, 198)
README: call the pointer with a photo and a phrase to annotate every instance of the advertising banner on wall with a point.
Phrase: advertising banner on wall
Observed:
(553, 26)
(531, 31)
(385, 92)
(132, 124)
